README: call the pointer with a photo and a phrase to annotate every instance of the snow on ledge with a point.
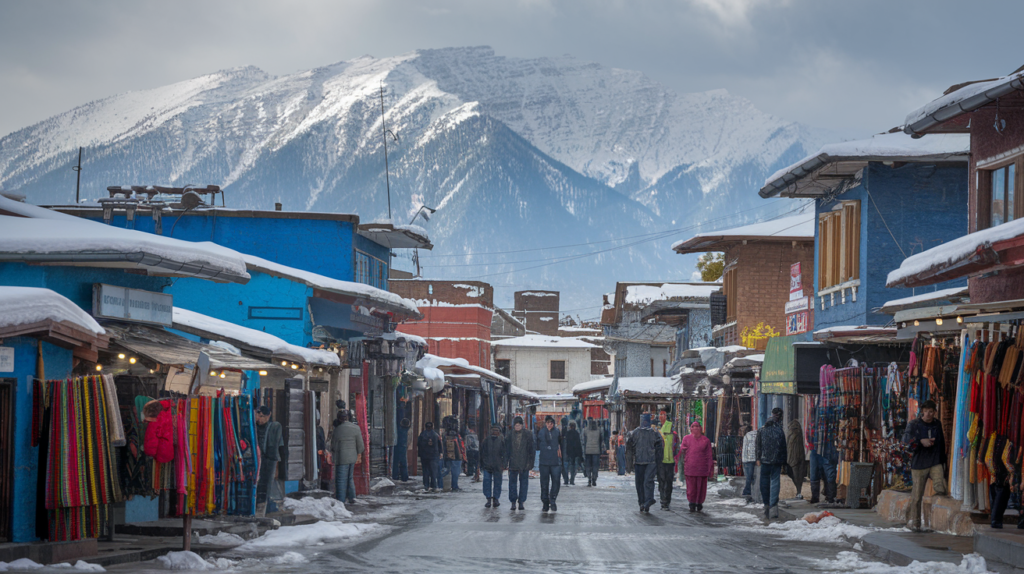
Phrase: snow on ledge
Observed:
(544, 341)
(954, 251)
(28, 305)
(645, 294)
(941, 294)
(430, 366)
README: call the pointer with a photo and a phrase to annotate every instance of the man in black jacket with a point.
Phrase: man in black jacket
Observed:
(429, 447)
(520, 452)
(572, 453)
(925, 439)
(646, 447)
(549, 445)
(771, 456)
(492, 461)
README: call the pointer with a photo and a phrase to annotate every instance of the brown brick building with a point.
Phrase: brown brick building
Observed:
(756, 281)
(457, 317)
(538, 310)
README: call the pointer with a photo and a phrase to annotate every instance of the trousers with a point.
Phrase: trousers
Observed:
(569, 469)
(748, 477)
(518, 484)
(770, 476)
(645, 482)
(696, 489)
(492, 484)
(821, 470)
(549, 483)
(431, 472)
(345, 482)
(797, 473)
(920, 478)
(666, 477)
(593, 463)
(620, 460)
(400, 466)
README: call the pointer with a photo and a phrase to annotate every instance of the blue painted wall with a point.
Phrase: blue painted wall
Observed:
(316, 245)
(57, 363)
(904, 210)
(75, 283)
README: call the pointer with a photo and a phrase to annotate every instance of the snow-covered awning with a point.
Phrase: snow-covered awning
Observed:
(400, 336)
(394, 236)
(71, 241)
(856, 333)
(951, 295)
(359, 293)
(433, 369)
(163, 347)
(661, 386)
(967, 98)
(984, 251)
(816, 174)
(48, 315)
(641, 294)
(252, 341)
(521, 393)
(794, 228)
(592, 386)
(544, 341)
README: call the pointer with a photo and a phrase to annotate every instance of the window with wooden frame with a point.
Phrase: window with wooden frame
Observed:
(839, 246)
(557, 370)
(729, 288)
(999, 193)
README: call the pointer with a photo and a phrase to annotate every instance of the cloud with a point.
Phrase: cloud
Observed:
(734, 13)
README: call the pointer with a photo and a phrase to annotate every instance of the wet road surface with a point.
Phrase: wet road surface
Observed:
(596, 529)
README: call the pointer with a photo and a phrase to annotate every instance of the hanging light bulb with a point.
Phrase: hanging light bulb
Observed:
(938, 320)
(294, 366)
(132, 360)
(284, 363)
(120, 355)
(213, 373)
(223, 375)
(263, 373)
(959, 319)
(99, 367)
(917, 323)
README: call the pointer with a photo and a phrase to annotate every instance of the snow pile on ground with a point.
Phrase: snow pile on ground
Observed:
(23, 564)
(381, 483)
(852, 562)
(828, 529)
(327, 509)
(20, 564)
(81, 566)
(221, 539)
(185, 560)
(311, 534)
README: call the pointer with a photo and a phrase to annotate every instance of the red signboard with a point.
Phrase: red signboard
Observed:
(796, 287)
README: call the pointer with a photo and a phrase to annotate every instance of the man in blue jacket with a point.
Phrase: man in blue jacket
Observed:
(549, 446)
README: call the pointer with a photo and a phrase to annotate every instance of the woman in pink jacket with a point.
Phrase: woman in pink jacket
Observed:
(695, 451)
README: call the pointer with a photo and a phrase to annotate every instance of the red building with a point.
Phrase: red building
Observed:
(456, 317)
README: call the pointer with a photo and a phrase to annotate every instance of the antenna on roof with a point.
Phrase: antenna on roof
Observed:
(384, 133)
(78, 175)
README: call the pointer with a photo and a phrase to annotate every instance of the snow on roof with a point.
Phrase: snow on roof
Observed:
(28, 305)
(538, 294)
(940, 295)
(591, 386)
(406, 336)
(430, 366)
(880, 147)
(649, 386)
(12, 207)
(190, 320)
(954, 251)
(644, 294)
(801, 225)
(544, 341)
(579, 329)
(854, 328)
(521, 392)
(968, 98)
(318, 281)
(81, 241)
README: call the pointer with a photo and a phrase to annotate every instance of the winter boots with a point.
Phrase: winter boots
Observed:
(546, 508)
(693, 507)
(554, 507)
(815, 491)
(700, 508)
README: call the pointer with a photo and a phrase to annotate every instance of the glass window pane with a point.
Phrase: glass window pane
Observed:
(1010, 203)
(998, 197)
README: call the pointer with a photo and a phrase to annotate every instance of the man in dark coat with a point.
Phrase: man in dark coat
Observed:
(646, 447)
(520, 452)
(268, 437)
(549, 446)
(796, 460)
(400, 469)
(347, 448)
(572, 453)
(429, 447)
(772, 454)
(492, 461)
(925, 440)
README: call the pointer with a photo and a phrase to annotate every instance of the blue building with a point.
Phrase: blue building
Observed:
(75, 269)
(877, 202)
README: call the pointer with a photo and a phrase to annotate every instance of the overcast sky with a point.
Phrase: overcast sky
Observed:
(843, 64)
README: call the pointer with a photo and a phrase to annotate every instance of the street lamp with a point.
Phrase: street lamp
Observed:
(426, 217)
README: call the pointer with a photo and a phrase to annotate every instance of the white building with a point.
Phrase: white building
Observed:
(543, 364)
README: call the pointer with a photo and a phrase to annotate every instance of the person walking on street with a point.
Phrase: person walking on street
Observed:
(925, 440)
(454, 452)
(771, 455)
(429, 447)
(400, 469)
(346, 450)
(519, 450)
(572, 453)
(698, 459)
(667, 463)
(472, 442)
(592, 450)
(796, 460)
(268, 436)
(619, 448)
(492, 461)
(548, 445)
(645, 446)
(749, 456)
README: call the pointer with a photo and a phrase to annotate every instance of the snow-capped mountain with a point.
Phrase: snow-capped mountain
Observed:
(516, 154)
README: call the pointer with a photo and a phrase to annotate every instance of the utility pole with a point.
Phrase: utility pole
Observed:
(384, 134)
(78, 176)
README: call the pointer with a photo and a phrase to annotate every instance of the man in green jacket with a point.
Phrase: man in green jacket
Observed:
(347, 451)
(268, 437)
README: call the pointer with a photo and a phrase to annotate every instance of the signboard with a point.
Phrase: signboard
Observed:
(801, 304)
(778, 388)
(796, 287)
(797, 323)
(6, 359)
(112, 302)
